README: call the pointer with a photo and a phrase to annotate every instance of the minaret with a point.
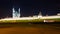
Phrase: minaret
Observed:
(13, 13)
(19, 12)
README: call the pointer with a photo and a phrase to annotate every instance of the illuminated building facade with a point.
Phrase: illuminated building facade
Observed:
(16, 14)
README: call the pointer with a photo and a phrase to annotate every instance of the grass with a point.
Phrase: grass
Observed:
(26, 21)
(54, 26)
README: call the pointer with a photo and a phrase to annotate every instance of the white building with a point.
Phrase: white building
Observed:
(39, 15)
(16, 14)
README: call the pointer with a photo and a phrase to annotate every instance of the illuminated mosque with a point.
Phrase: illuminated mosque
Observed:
(16, 14)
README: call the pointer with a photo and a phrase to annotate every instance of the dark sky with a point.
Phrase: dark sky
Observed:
(29, 7)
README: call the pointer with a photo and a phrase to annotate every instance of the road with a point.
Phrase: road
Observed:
(29, 29)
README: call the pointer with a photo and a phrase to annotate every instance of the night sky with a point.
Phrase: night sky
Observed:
(29, 7)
